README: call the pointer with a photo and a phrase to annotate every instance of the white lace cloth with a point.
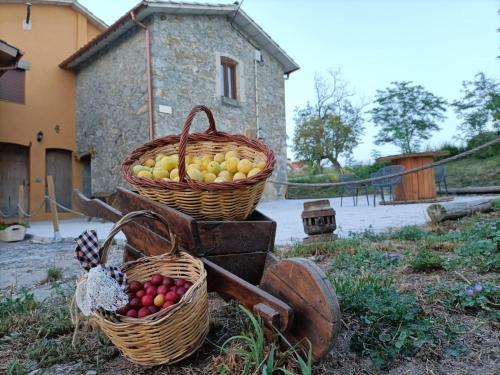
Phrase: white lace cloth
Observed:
(96, 289)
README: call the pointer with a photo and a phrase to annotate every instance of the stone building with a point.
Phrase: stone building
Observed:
(214, 55)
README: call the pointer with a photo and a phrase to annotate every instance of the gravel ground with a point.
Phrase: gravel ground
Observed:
(24, 264)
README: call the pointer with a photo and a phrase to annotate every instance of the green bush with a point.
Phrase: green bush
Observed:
(427, 260)
(480, 139)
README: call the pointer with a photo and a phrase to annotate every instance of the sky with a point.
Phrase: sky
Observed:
(434, 43)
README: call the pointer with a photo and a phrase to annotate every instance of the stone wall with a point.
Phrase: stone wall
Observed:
(112, 92)
(112, 115)
(186, 58)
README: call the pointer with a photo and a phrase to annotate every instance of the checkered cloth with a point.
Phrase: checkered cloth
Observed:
(88, 254)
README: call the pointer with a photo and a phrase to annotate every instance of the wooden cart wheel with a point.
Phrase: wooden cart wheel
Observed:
(304, 286)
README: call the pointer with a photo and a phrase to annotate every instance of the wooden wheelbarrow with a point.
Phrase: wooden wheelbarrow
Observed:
(293, 295)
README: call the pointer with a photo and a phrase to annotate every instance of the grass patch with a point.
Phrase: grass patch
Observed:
(426, 261)
(407, 233)
(364, 261)
(324, 248)
(38, 335)
(252, 354)
(390, 324)
(16, 311)
(482, 299)
(472, 171)
(54, 274)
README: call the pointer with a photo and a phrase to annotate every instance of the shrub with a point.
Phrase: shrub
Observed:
(426, 260)
(480, 139)
(407, 233)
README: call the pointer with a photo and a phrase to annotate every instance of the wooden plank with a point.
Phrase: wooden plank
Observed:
(137, 235)
(248, 266)
(53, 207)
(427, 183)
(300, 283)
(475, 190)
(183, 226)
(433, 200)
(255, 234)
(225, 283)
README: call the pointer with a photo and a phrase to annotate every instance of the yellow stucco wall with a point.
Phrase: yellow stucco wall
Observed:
(56, 33)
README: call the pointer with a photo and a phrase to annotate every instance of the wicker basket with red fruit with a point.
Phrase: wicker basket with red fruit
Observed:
(166, 318)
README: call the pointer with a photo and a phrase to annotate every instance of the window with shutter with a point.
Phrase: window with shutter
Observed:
(12, 86)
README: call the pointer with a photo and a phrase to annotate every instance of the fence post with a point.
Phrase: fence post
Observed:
(53, 208)
(21, 203)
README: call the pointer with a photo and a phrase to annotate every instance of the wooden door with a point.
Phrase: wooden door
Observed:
(58, 165)
(14, 171)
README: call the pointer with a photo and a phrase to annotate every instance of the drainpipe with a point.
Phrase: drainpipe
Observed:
(148, 69)
(256, 97)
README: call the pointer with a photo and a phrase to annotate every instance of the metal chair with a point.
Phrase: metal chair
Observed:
(440, 176)
(387, 182)
(353, 188)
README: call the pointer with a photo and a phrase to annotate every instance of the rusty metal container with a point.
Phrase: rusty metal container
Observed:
(318, 217)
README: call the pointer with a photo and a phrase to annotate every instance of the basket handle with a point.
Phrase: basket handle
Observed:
(131, 216)
(185, 135)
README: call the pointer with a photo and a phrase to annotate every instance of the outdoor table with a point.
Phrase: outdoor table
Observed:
(417, 186)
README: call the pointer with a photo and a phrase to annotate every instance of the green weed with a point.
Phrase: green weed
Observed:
(364, 260)
(391, 324)
(427, 260)
(325, 248)
(407, 233)
(495, 205)
(264, 358)
(482, 299)
(53, 274)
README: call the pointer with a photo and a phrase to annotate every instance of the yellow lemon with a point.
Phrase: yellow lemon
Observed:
(175, 159)
(209, 177)
(239, 176)
(159, 172)
(145, 174)
(174, 173)
(228, 176)
(213, 167)
(188, 159)
(220, 179)
(253, 172)
(230, 154)
(260, 164)
(195, 174)
(244, 166)
(159, 157)
(196, 160)
(194, 166)
(176, 179)
(137, 168)
(232, 164)
(219, 158)
(223, 166)
(149, 163)
(167, 163)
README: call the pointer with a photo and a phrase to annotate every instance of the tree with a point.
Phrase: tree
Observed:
(332, 126)
(406, 114)
(479, 106)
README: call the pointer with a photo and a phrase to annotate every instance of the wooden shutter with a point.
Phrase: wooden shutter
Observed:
(12, 86)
